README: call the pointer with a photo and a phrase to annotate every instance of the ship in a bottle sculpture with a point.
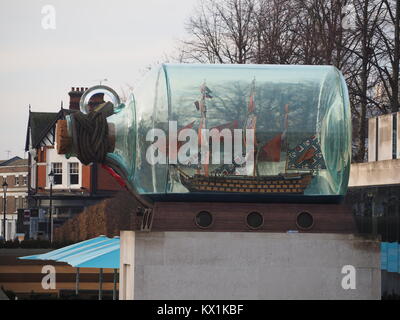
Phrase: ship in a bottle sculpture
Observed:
(224, 133)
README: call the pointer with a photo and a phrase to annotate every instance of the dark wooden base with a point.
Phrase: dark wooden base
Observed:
(231, 217)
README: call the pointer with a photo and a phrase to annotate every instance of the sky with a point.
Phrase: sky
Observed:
(43, 55)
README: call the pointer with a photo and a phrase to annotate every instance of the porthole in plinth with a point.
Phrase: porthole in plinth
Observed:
(255, 220)
(305, 220)
(204, 219)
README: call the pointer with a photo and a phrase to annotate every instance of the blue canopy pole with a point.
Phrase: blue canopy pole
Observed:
(100, 283)
(77, 282)
(115, 285)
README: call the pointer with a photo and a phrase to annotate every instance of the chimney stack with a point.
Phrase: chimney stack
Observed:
(75, 96)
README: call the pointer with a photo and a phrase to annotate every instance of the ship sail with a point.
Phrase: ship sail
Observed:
(271, 151)
(164, 145)
(188, 126)
(306, 155)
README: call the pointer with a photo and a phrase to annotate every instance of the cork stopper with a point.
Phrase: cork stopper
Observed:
(111, 137)
(64, 140)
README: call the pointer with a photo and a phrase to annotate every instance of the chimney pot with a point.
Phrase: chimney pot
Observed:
(74, 97)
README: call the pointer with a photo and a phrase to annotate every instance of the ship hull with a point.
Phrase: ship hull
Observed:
(279, 184)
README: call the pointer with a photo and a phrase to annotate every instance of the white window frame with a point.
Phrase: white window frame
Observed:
(70, 164)
(57, 172)
(9, 230)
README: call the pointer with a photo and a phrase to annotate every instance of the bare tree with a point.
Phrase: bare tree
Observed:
(387, 61)
(275, 29)
(221, 32)
(361, 77)
(308, 32)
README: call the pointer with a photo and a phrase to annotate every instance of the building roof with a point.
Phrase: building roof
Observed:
(40, 123)
(14, 161)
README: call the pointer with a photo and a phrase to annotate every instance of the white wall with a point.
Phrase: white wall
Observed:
(384, 172)
(382, 149)
(385, 137)
(11, 226)
(228, 265)
(51, 157)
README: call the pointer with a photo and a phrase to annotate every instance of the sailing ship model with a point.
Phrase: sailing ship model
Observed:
(306, 156)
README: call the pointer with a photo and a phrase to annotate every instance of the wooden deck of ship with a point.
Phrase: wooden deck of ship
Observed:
(275, 184)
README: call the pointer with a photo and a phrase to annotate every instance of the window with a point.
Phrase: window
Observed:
(20, 203)
(74, 173)
(24, 180)
(9, 230)
(16, 181)
(56, 167)
(24, 203)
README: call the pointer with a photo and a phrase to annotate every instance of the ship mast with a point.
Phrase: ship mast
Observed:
(284, 135)
(251, 120)
(203, 139)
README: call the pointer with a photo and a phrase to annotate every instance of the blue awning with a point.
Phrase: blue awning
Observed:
(100, 252)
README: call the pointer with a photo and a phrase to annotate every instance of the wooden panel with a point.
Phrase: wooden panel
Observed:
(41, 176)
(24, 276)
(178, 216)
(62, 277)
(86, 177)
(36, 287)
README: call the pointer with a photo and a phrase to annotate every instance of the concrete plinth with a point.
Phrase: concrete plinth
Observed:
(377, 173)
(236, 265)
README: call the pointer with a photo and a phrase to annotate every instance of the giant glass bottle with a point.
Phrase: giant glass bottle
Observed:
(193, 132)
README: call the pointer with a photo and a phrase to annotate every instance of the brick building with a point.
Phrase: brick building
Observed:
(75, 185)
(15, 172)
